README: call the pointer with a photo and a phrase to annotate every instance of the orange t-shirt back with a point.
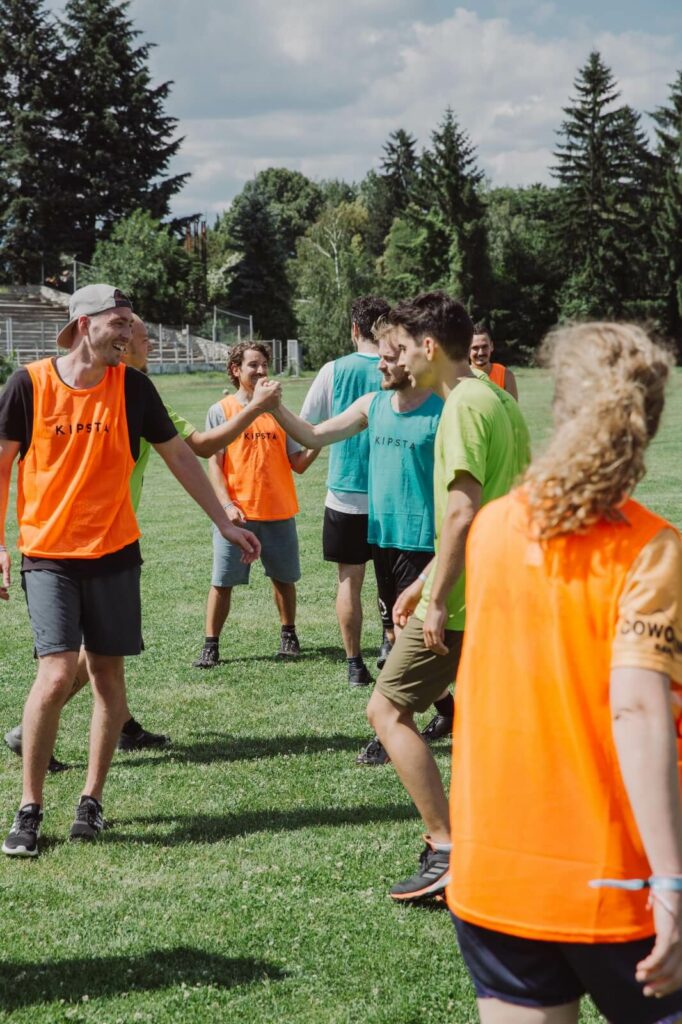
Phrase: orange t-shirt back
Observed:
(73, 495)
(256, 468)
(538, 805)
(498, 374)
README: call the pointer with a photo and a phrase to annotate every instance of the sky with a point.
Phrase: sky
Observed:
(318, 85)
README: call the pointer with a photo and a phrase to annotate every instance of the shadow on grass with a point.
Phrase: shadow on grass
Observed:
(203, 828)
(26, 984)
(219, 746)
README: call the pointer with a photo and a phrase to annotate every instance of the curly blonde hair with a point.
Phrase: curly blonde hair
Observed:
(609, 394)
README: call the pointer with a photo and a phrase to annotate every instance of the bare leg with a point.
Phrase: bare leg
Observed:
(45, 701)
(349, 607)
(413, 762)
(217, 609)
(83, 678)
(108, 715)
(285, 599)
(494, 1011)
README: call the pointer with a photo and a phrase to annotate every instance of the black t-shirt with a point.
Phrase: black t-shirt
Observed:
(147, 417)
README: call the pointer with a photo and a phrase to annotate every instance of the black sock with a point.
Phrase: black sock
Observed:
(445, 706)
(129, 725)
(355, 662)
(288, 629)
(210, 641)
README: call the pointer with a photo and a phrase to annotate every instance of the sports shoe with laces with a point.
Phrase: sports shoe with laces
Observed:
(374, 753)
(22, 839)
(438, 727)
(358, 675)
(13, 741)
(431, 878)
(208, 657)
(384, 651)
(135, 737)
(89, 821)
(289, 647)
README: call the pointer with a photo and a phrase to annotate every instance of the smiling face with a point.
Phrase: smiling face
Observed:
(481, 351)
(395, 376)
(416, 358)
(108, 333)
(253, 367)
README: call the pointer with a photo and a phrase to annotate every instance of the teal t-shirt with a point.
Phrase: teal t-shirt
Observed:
(480, 434)
(400, 482)
(184, 429)
(354, 375)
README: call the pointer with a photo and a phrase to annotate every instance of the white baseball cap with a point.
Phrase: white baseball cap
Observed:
(89, 301)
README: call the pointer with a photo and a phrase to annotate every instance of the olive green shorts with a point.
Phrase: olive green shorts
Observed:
(413, 677)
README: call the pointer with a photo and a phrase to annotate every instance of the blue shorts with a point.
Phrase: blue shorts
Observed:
(279, 554)
(531, 972)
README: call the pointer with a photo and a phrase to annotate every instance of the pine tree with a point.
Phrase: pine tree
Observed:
(31, 200)
(668, 207)
(604, 170)
(118, 137)
(450, 184)
(388, 192)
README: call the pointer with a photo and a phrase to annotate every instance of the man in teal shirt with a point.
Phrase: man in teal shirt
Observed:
(203, 443)
(481, 448)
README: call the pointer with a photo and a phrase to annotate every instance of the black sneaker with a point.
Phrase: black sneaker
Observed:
(384, 651)
(429, 881)
(135, 737)
(374, 753)
(22, 839)
(289, 647)
(208, 657)
(13, 741)
(89, 822)
(438, 727)
(358, 675)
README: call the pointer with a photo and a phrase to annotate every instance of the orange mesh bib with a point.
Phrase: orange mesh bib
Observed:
(498, 375)
(256, 468)
(73, 497)
(538, 806)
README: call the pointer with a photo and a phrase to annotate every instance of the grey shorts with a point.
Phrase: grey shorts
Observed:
(102, 613)
(413, 676)
(279, 554)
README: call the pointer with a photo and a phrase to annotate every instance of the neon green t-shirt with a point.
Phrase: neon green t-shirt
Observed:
(480, 434)
(184, 429)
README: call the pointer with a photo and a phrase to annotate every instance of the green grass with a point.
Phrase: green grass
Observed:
(244, 877)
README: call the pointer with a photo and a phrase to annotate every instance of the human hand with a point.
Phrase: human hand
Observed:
(661, 971)
(235, 514)
(267, 394)
(246, 540)
(434, 628)
(5, 568)
(407, 602)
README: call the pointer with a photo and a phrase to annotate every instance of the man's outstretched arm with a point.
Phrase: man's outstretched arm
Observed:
(205, 443)
(186, 468)
(351, 421)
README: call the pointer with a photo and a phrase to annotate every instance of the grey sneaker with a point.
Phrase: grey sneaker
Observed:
(359, 676)
(374, 753)
(22, 839)
(430, 880)
(13, 741)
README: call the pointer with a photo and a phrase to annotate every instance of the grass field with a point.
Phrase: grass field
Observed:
(244, 877)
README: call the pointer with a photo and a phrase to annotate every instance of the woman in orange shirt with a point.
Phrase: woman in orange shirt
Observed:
(565, 745)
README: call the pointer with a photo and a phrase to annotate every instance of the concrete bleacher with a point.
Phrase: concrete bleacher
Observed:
(30, 319)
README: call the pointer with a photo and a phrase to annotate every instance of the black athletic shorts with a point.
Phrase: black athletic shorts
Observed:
(531, 972)
(395, 570)
(344, 538)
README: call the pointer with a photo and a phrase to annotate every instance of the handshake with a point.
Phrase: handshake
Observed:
(267, 395)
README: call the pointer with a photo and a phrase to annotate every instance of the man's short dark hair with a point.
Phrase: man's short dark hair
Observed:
(365, 312)
(482, 328)
(440, 317)
(235, 357)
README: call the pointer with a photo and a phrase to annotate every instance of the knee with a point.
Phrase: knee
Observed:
(53, 687)
(380, 712)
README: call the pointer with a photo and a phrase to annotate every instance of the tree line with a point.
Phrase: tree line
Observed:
(85, 149)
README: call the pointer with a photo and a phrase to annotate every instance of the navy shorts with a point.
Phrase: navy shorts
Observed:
(530, 972)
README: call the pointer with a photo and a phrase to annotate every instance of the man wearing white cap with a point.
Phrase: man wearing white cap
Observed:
(76, 422)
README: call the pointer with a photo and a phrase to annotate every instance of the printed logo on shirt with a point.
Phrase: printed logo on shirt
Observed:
(394, 442)
(668, 642)
(93, 427)
(260, 435)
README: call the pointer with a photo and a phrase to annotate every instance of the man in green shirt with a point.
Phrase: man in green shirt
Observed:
(481, 448)
(203, 443)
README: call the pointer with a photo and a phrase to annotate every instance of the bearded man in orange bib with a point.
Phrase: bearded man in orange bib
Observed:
(566, 867)
(480, 357)
(253, 480)
(76, 422)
